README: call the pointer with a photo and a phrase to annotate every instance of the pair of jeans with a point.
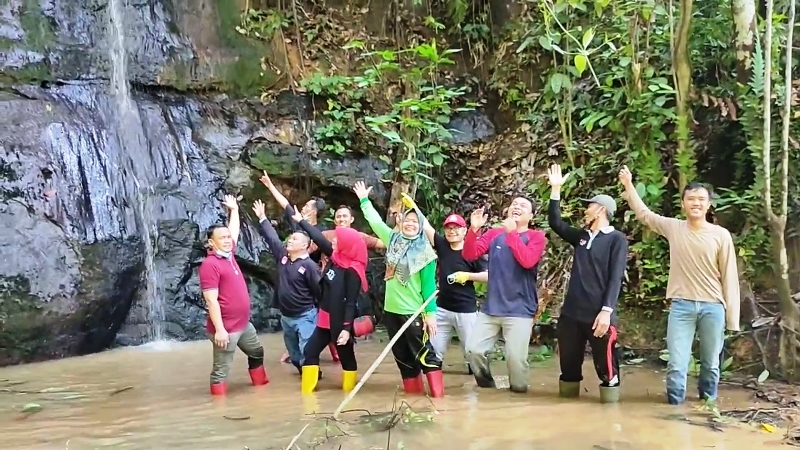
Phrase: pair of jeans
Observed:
(296, 333)
(707, 319)
(247, 341)
(516, 332)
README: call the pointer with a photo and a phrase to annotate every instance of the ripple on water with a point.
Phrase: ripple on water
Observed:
(156, 397)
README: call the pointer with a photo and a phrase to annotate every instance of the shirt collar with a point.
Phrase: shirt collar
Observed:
(604, 230)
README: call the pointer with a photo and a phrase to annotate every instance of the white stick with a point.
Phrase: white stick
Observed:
(383, 354)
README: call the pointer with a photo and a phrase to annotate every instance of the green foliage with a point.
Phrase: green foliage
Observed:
(409, 127)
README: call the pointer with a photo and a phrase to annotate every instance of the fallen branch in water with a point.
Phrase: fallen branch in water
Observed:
(402, 412)
(120, 390)
(296, 437)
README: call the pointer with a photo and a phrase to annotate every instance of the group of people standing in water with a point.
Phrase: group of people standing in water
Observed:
(321, 276)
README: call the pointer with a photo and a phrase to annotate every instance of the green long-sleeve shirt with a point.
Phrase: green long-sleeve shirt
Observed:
(402, 299)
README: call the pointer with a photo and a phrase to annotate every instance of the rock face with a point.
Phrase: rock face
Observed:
(101, 218)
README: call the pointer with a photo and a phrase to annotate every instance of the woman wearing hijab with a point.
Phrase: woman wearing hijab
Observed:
(343, 277)
(410, 280)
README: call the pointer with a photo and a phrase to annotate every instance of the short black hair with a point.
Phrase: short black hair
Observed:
(345, 207)
(319, 204)
(301, 232)
(212, 229)
(696, 185)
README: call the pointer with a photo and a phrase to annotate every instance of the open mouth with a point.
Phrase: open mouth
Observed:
(516, 214)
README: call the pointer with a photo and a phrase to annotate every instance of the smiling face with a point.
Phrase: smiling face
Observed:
(695, 202)
(454, 233)
(343, 217)
(521, 210)
(220, 239)
(410, 225)
(297, 242)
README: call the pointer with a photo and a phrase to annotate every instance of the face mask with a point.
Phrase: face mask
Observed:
(226, 255)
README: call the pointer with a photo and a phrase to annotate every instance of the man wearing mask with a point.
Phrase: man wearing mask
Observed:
(228, 300)
(511, 303)
(589, 310)
(703, 286)
(298, 285)
(456, 305)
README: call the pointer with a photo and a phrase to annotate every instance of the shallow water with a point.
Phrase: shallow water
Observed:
(156, 397)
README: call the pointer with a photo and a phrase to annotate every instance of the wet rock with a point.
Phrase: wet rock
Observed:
(471, 126)
(78, 196)
(180, 43)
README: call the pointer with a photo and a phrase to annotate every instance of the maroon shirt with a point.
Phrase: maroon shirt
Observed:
(225, 275)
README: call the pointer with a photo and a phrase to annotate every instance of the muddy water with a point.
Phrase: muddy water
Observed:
(150, 398)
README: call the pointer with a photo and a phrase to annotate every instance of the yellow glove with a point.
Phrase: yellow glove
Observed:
(408, 202)
(458, 277)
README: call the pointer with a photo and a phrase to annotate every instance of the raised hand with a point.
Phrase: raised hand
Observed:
(625, 176)
(554, 176)
(265, 180)
(478, 219)
(361, 190)
(258, 208)
(407, 201)
(297, 216)
(230, 202)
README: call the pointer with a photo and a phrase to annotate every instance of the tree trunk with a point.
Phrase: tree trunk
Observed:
(744, 37)
(789, 310)
(682, 72)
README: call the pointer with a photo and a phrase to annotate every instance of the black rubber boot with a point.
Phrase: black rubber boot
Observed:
(569, 389)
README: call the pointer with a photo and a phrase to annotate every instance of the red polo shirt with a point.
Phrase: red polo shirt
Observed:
(224, 275)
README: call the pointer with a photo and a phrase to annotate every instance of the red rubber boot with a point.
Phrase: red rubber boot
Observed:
(414, 385)
(435, 383)
(259, 376)
(219, 388)
(334, 352)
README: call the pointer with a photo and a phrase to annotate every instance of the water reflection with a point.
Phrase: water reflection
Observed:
(136, 398)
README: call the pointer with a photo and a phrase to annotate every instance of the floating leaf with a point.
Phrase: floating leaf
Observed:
(31, 408)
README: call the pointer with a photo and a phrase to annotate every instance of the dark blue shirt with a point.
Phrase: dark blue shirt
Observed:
(513, 268)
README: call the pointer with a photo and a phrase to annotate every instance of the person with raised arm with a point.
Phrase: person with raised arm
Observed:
(703, 286)
(228, 301)
(312, 210)
(410, 280)
(343, 279)
(456, 304)
(511, 302)
(343, 217)
(297, 287)
(595, 282)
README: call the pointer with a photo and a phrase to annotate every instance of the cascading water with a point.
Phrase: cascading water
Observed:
(132, 142)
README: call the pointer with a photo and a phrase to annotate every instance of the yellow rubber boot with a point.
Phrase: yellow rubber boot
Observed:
(309, 379)
(349, 379)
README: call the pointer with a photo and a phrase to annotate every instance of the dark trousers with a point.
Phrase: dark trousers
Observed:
(319, 341)
(413, 352)
(572, 336)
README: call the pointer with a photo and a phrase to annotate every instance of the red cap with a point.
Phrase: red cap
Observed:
(455, 219)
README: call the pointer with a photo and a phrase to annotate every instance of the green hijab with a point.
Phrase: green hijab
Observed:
(406, 256)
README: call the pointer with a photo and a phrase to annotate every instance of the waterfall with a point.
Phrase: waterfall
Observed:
(132, 142)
